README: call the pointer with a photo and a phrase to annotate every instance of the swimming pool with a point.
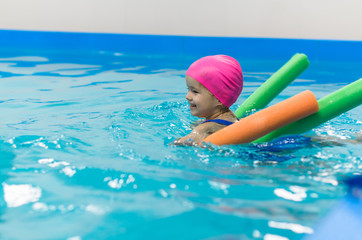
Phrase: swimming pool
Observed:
(85, 135)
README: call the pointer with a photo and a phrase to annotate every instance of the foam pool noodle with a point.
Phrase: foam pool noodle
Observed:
(330, 107)
(267, 120)
(274, 85)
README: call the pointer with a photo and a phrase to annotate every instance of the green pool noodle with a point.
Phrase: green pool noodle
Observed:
(330, 106)
(274, 85)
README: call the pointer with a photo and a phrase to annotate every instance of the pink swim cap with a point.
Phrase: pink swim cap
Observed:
(221, 75)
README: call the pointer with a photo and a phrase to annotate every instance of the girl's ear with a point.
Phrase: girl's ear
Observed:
(221, 106)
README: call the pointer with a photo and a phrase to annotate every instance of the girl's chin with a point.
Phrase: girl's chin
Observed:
(194, 112)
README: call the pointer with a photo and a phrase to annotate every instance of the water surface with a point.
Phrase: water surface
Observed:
(85, 154)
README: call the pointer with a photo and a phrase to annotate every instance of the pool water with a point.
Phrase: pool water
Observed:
(85, 153)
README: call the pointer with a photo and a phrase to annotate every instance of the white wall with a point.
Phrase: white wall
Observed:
(310, 19)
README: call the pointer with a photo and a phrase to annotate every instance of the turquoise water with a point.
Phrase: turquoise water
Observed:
(85, 154)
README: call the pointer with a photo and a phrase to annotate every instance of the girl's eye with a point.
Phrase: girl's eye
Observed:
(192, 90)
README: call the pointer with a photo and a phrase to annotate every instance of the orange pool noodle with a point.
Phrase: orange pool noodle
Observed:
(267, 120)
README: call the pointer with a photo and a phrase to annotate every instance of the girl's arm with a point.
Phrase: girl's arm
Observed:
(198, 134)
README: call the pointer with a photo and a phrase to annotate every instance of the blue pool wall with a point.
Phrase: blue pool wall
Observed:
(180, 46)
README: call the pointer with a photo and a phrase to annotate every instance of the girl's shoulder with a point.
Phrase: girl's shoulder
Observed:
(227, 116)
(211, 126)
(202, 129)
(220, 121)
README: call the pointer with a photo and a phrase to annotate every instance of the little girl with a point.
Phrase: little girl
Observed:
(214, 83)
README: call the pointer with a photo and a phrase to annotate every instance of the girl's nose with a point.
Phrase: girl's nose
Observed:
(188, 97)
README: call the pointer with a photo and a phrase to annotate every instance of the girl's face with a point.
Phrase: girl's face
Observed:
(203, 103)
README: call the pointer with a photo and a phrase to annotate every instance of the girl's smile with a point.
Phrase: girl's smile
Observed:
(192, 106)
